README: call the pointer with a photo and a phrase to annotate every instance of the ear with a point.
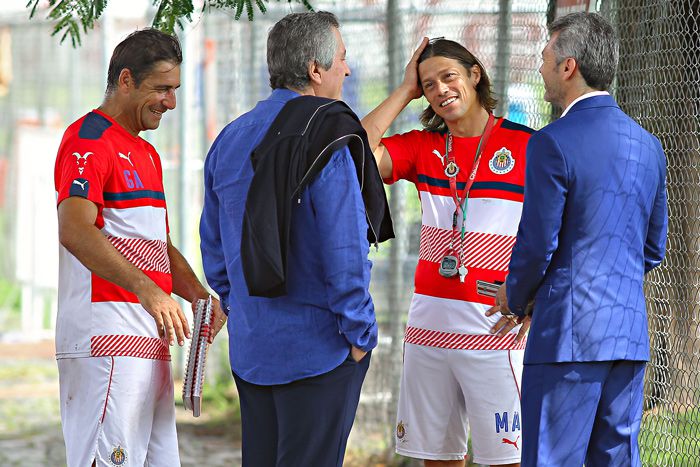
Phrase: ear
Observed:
(569, 68)
(475, 72)
(314, 70)
(125, 80)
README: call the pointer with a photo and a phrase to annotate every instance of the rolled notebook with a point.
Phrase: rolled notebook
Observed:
(196, 362)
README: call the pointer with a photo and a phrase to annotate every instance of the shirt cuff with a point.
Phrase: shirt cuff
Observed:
(224, 306)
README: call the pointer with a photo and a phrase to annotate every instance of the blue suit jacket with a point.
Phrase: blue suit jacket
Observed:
(594, 222)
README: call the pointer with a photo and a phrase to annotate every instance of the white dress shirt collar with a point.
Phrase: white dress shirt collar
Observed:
(585, 96)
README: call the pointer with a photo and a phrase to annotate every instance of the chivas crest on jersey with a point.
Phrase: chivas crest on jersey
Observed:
(502, 162)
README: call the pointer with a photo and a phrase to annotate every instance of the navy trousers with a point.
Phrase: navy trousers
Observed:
(586, 412)
(302, 423)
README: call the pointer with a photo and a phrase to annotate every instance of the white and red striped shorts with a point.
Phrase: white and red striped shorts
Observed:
(118, 411)
(447, 392)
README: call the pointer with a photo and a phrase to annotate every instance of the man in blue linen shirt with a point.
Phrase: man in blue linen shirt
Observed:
(298, 360)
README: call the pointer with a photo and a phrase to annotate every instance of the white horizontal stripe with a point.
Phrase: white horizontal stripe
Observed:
(145, 222)
(489, 215)
(122, 318)
(448, 315)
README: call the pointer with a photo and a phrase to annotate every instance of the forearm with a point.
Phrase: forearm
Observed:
(185, 281)
(79, 235)
(97, 254)
(377, 122)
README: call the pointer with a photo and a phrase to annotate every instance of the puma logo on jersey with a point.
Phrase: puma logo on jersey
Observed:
(127, 157)
(440, 156)
(82, 184)
(79, 187)
(512, 443)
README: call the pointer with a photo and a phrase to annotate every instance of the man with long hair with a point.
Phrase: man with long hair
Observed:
(461, 368)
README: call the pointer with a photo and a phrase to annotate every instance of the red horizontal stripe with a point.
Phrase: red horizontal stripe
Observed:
(497, 194)
(453, 340)
(105, 291)
(434, 190)
(473, 194)
(129, 346)
(429, 282)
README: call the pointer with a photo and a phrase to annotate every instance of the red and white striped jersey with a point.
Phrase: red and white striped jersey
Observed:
(122, 174)
(445, 312)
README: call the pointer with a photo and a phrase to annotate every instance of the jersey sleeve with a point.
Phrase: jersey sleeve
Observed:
(403, 150)
(82, 168)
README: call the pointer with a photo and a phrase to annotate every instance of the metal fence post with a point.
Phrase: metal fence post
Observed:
(502, 67)
(396, 53)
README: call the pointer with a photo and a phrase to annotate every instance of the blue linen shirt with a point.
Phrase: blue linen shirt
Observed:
(327, 308)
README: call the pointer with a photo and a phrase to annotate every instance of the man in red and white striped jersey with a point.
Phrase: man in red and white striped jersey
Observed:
(461, 368)
(116, 318)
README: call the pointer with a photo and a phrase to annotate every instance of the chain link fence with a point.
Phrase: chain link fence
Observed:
(42, 87)
(225, 74)
(658, 84)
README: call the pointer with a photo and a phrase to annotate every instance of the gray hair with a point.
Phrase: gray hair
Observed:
(592, 42)
(296, 40)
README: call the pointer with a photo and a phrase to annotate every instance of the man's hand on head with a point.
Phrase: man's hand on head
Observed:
(411, 80)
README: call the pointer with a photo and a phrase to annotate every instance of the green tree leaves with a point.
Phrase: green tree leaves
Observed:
(72, 16)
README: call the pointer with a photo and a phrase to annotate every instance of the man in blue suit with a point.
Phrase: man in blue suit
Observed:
(594, 222)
